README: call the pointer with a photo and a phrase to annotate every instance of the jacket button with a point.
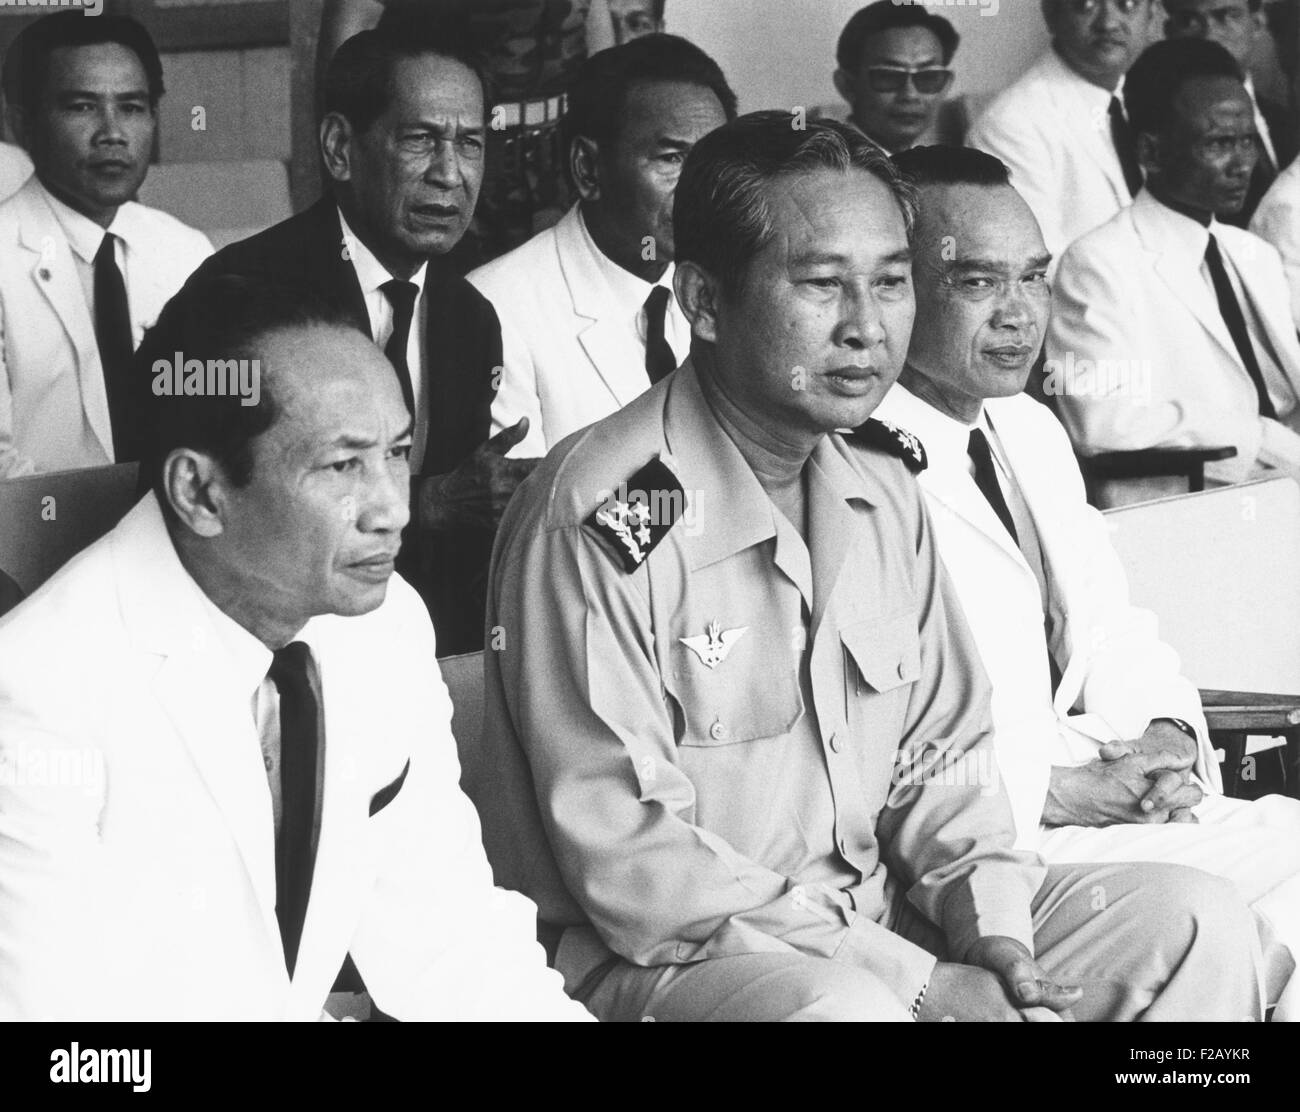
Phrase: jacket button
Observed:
(719, 732)
(836, 744)
(901, 670)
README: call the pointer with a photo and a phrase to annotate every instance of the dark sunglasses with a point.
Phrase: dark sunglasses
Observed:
(891, 79)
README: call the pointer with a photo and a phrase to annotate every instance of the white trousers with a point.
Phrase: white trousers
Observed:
(1256, 845)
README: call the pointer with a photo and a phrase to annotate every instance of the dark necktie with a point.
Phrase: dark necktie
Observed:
(401, 296)
(291, 671)
(113, 336)
(1125, 146)
(1230, 310)
(659, 357)
(986, 479)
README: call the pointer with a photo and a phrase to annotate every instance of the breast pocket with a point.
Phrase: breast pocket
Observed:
(882, 659)
(752, 694)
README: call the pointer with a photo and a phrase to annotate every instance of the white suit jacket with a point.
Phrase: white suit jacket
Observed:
(141, 884)
(1277, 220)
(53, 405)
(1132, 292)
(15, 168)
(572, 356)
(1116, 674)
(1052, 128)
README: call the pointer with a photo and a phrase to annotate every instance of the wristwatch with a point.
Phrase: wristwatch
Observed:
(1187, 729)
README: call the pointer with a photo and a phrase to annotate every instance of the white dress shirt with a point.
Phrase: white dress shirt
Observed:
(372, 275)
(629, 293)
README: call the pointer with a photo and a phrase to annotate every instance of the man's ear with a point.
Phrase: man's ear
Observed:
(844, 86)
(584, 156)
(196, 490)
(1148, 153)
(336, 146)
(698, 293)
(17, 120)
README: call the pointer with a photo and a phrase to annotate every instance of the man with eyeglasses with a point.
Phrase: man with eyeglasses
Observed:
(893, 71)
(1236, 26)
(1062, 127)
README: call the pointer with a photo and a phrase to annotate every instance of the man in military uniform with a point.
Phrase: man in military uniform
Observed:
(737, 741)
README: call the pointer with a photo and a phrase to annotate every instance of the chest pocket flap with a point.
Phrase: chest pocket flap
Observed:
(741, 700)
(886, 653)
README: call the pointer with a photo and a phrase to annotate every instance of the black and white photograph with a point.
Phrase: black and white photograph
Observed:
(649, 511)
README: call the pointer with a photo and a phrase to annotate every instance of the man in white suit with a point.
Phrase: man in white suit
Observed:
(228, 753)
(83, 268)
(589, 320)
(1100, 739)
(1277, 220)
(1062, 128)
(1168, 328)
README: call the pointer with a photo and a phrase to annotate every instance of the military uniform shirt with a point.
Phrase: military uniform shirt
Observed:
(669, 809)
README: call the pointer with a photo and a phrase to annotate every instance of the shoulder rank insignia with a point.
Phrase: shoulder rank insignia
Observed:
(888, 437)
(637, 515)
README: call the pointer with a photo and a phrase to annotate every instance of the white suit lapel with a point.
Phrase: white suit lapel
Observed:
(602, 336)
(165, 615)
(1183, 280)
(54, 274)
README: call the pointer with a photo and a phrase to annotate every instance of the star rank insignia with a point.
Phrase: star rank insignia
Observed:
(714, 644)
(638, 514)
(888, 437)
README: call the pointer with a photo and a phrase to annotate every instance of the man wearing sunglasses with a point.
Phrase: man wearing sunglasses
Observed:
(893, 72)
(1062, 127)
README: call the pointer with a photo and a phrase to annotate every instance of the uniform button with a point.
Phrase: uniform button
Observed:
(901, 669)
(836, 744)
(719, 732)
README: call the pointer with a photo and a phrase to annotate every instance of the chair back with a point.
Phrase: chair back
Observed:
(46, 519)
(1219, 568)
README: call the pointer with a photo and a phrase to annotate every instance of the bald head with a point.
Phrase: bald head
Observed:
(980, 274)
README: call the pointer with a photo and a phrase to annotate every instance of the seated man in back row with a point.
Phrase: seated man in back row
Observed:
(261, 777)
(1097, 732)
(737, 738)
(1168, 328)
(589, 320)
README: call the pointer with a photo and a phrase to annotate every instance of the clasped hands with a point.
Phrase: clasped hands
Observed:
(1146, 780)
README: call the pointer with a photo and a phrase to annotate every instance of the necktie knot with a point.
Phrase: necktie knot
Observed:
(986, 478)
(1125, 146)
(656, 305)
(290, 666)
(106, 252)
(401, 296)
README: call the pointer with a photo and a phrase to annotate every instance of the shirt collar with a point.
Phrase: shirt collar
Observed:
(1079, 85)
(626, 289)
(83, 234)
(1171, 233)
(371, 273)
(249, 660)
(709, 465)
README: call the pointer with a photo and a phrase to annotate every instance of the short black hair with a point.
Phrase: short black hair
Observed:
(359, 82)
(886, 15)
(721, 216)
(599, 91)
(219, 317)
(947, 165)
(27, 61)
(1153, 83)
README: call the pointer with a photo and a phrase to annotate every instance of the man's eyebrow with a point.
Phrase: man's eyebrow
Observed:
(815, 258)
(130, 94)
